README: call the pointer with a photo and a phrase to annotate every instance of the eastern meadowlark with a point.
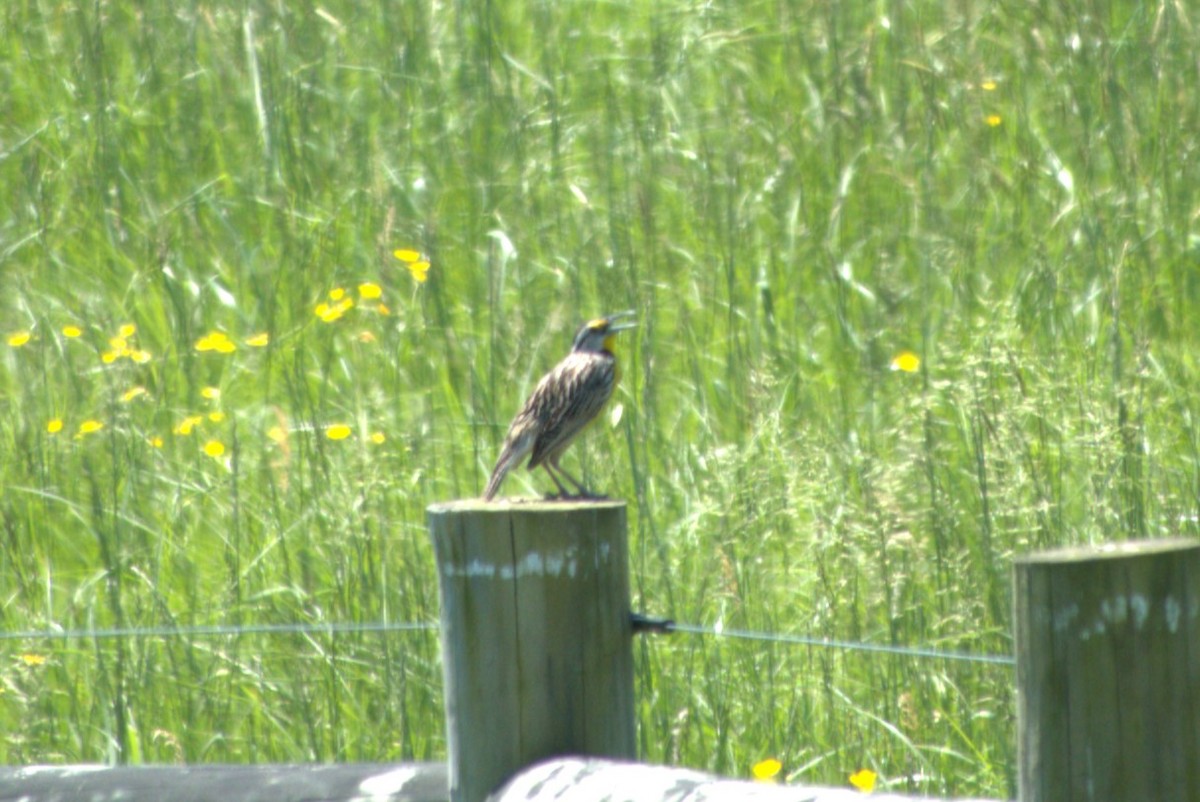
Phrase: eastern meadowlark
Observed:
(563, 403)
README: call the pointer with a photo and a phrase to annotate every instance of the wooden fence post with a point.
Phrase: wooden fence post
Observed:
(536, 638)
(1108, 673)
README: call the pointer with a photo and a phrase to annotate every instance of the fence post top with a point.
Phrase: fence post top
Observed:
(521, 504)
(1108, 551)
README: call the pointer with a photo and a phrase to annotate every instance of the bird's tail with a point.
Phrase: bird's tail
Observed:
(498, 473)
(510, 455)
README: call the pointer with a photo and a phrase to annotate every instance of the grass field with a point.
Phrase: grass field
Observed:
(917, 287)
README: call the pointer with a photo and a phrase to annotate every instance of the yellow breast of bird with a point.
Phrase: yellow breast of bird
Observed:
(610, 344)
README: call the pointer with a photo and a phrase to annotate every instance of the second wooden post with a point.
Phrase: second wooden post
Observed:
(1108, 673)
(536, 640)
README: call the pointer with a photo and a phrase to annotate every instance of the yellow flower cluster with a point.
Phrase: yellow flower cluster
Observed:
(86, 427)
(216, 341)
(122, 347)
(339, 302)
(342, 431)
(768, 771)
(416, 262)
(212, 447)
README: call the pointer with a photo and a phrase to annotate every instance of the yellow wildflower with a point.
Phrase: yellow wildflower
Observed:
(187, 424)
(863, 780)
(19, 338)
(378, 438)
(211, 393)
(132, 393)
(127, 330)
(216, 416)
(906, 361)
(72, 331)
(331, 312)
(216, 341)
(767, 771)
(31, 659)
(993, 120)
(214, 448)
(419, 271)
(415, 261)
(54, 425)
(259, 340)
(369, 291)
(89, 426)
(338, 431)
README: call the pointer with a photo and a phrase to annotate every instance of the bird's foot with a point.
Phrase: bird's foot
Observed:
(585, 495)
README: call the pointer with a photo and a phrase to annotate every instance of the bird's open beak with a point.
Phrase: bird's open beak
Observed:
(613, 325)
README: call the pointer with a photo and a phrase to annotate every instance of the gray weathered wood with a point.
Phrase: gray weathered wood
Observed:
(592, 779)
(536, 638)
(1108, 673)
(554, 780)
(411, 782)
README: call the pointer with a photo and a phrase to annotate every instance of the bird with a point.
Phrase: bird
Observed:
(566, 399)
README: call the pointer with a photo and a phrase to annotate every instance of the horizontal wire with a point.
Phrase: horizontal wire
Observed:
(855, 646)
(219, 630)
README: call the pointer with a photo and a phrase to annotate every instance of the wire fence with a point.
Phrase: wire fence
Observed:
(923, 652)
(342, 628)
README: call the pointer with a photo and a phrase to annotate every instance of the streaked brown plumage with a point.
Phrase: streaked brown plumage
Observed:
(566, 399)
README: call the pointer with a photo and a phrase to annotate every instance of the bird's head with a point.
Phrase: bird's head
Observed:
(599, 334)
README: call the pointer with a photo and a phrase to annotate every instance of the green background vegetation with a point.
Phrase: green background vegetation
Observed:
(789, 194)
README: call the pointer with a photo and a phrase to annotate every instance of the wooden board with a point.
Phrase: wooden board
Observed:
(412, 782)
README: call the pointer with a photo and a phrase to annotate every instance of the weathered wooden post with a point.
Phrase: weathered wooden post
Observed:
(1108, 673)
(536, 637)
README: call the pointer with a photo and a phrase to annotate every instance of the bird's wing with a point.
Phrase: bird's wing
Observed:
(568, 398)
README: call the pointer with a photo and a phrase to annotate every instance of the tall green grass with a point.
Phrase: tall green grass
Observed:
(790, 194)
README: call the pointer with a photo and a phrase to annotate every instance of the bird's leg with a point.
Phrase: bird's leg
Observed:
(583, 491)
(562, 491)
